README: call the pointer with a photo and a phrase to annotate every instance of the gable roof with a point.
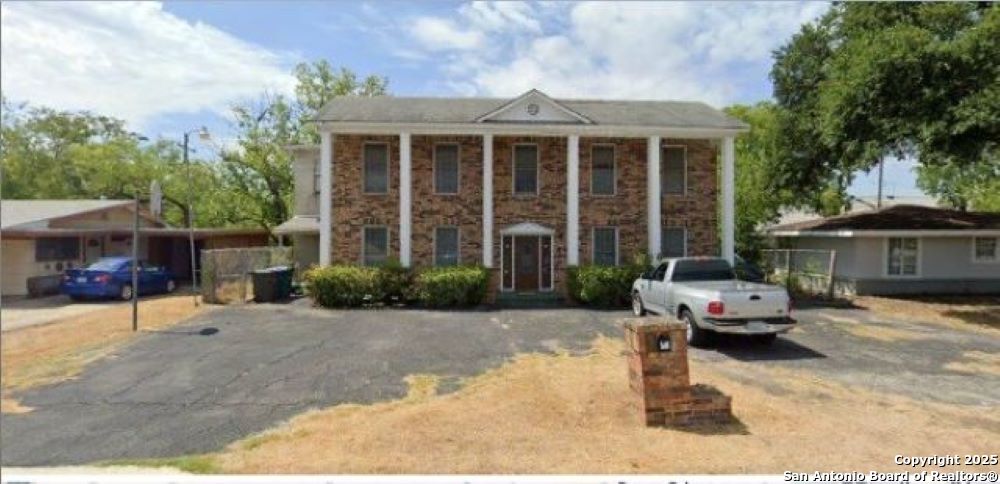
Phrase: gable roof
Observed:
(897, 218)
(37, 213)
(540, 96)
(440, 110)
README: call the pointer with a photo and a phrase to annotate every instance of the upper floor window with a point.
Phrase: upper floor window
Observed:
(673, 177)
(446, 169)
(902, 254)
(446, 246)
(602, 170)
(606, 246)
(986, 249)
(526, 170)
(375, 246)
(673, 242)
(376, 168)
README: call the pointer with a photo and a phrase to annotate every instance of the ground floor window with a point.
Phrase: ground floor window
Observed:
(902, 254)
(986, 249)
(57, 249)
(446, 246)
(375, 246)
(673, 242)
(605, 241)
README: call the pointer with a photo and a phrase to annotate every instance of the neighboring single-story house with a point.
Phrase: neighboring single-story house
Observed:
(526, 186)
(905, 249)
(39, 239)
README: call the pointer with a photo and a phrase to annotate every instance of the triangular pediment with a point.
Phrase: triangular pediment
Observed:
(533, 107)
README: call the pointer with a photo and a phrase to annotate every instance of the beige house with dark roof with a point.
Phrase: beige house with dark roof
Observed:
(905, 249)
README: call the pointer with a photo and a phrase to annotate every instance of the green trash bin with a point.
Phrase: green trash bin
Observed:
(265, 285)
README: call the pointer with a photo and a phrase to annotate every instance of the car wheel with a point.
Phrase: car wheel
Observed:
(765, 339)
(695, 335)
(126, 292)
(637, 307)
(171, 285)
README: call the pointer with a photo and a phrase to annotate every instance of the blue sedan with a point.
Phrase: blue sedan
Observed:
(112, 277)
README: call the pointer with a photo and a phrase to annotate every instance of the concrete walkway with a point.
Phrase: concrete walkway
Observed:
(24, 312)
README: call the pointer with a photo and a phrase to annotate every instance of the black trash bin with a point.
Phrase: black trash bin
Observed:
(265, 285)
(283, 282)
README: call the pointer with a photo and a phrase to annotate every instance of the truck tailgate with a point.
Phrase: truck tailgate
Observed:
(748, 300)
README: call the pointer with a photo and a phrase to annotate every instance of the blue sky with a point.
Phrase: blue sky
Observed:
(174, 66)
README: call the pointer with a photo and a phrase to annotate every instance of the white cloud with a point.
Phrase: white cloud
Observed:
(131, 60)
(669, 50)
(442, 34)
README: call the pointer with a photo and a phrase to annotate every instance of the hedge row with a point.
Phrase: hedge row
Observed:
(603, 286)
(354, 286)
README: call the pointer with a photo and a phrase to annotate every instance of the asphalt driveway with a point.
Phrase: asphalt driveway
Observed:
(239, 370)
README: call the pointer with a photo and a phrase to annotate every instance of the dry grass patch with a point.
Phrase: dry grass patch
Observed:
(977, 362)
(566, 414)
(883, 333)
(39, 355)
(960, 312)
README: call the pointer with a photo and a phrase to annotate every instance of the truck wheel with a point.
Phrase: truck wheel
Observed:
(126, 292)
(765, 339)
(637, 307)
(695, 335)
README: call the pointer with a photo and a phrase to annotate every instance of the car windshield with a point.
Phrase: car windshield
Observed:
(702, 270)
(107, 265)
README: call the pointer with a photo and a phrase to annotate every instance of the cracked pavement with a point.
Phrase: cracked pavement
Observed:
(177, 392)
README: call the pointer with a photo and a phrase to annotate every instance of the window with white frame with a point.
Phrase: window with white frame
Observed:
(986, 249)
(525, 170)
(602, 170)
(673, 178)
(605, 241)
(446, 169)
(673, 242)
(375, 246)
(902, 254)
(376, 168)
(446, 246)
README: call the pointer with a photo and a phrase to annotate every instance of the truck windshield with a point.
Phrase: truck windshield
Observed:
(702, 270)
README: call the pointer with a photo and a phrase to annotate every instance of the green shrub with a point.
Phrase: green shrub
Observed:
(344, 285)
(603, 286)
(451, 286)
(395, 282)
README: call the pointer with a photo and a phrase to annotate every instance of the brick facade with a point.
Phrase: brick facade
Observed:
(626, 210)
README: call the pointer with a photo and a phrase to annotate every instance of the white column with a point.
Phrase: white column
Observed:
(573, 200)
(728, 199)
(325, 197)
(404, 199)
(487, 200)
(653, 195)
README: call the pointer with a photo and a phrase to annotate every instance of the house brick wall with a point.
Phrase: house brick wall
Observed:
(626, 210)
(697, 209)
(548, 208)
(352, 208)
(431, 210)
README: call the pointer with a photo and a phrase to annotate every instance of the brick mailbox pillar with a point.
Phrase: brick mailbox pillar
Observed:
(658, 375)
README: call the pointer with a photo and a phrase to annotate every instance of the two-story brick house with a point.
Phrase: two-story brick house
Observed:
(526, 186)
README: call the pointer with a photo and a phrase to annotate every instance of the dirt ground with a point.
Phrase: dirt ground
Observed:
(59, 350)
(962, 312)
(573, 414)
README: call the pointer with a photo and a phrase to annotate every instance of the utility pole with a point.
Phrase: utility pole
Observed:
(135, 264)
(878, 198)
(190, 220)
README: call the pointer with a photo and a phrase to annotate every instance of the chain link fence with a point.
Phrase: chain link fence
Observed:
(801, 271)
(226, 272)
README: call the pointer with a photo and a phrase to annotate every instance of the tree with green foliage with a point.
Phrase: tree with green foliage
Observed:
(258, 171)
(975, 186)
(869, 81)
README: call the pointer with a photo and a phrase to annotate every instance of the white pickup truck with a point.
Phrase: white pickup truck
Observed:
(705, 294)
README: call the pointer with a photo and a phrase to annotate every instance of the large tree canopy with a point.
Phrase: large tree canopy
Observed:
(872, 80)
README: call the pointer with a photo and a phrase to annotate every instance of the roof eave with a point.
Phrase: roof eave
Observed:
(370, 127)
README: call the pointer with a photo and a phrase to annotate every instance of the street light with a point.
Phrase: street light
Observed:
(203, 135)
